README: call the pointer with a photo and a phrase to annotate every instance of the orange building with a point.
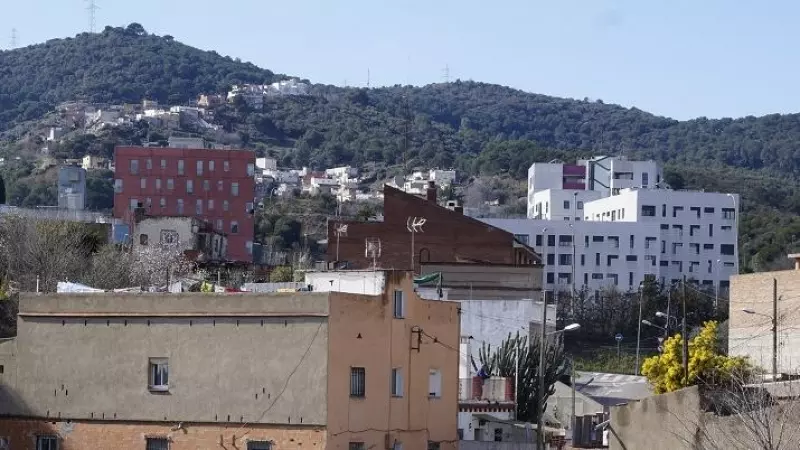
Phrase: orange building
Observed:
(235, 371)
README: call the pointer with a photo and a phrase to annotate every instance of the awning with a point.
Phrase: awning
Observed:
(428, 278)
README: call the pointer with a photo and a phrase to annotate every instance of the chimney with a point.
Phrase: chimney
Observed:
(796, 258)
(430, 192)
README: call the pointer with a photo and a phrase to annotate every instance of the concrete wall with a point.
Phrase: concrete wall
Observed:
(365, 282)
(447, 236)
(496, 281)
(81, 435)
(364, 333)
(477, 445)
(86, 357)
(751, 334)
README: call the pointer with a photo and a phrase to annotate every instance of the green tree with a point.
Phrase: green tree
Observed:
(706, 364)
(2, 191)
(281, 274)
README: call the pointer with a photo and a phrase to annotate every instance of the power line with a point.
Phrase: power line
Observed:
(92, 8)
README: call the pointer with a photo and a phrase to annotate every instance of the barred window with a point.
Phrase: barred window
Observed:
(160, 443)
(357, 381)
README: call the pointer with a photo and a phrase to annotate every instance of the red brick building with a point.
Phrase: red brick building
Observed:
(446, 236)
(213, 185)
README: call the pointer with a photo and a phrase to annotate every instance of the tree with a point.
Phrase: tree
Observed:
(706, 364)
(502, 362)
(281, 274)
(2, 191)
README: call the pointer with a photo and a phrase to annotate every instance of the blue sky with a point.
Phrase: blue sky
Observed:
(679, 58)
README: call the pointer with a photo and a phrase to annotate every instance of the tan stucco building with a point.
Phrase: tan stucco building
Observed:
(232, 371)
(750, 333)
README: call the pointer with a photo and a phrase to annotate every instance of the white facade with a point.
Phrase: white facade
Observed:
(443, 178)
(266, 164)
(559, 204)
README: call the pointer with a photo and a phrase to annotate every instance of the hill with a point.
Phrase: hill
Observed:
(482, 129)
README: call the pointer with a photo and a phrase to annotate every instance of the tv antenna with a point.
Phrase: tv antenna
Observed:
(372, 249)
(13, 38)
(341, 229)
(92, 8)
(414, 226)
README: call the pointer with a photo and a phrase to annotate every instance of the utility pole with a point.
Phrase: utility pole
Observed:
(774, 329)
(639, 332)
(685, 338)
(572, 375)
(540, 392)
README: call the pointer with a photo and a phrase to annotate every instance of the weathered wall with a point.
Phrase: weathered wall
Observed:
(365, 282)
(363, 333)
(447, 236)
(490, 281)
(478, 445)
(751, 334)
(86, 357)
(83, 435)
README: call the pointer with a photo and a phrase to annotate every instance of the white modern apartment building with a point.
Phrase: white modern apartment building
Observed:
(560, 204)
(605, 175)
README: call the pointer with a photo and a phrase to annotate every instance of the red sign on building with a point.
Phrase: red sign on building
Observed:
(213, 185)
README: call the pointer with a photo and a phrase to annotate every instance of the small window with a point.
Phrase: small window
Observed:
(435, 383)
(728, 213)
(206, 185)
(551, 240)
(225, 205)
(358, 379)
(235, 189)
(259, 445)
(597, 276)
(598, 238)
(580, 204)
(226, 166)
(179, 206)
(220, 185)
(523, 238)
(200, 168)
(149, 164)
(163, 164)
(397, 382)
(158, 184)
(219, 225)
(143, 183)
(397, 445)
(538, 240)
(399, 304)
(46, 443)
(160, 443)
(565, 260)
(143, 238)
(248, 207)
(211, 166)
(211, 204)
(198, 206)
(648, 210)
(234, 227)
(118, 186)
(566, 204)
(708, 210)
(159, 374)
(251, 169)
(665, 226)
(726, 249)
(631, 258)
(134, 167)
(180, 167)
(435, 445)
(170, 184)
(356, 446)
(189, 187)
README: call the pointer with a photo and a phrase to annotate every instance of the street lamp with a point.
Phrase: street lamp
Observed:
(540, 393)
(774, 318)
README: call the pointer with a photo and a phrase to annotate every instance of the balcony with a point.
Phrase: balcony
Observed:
(493, 389)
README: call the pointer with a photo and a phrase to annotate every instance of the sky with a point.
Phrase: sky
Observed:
(678, 58)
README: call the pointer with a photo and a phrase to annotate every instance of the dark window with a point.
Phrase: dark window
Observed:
(630, 278)
(565, 260)
(583, 260)
(586, 241)
(551, 240)
(159, 374)
(399, 304)
(695, 209)
(648, 210)
(675, 210)
(161, 443)
(598, 238)
(538, 240)
(708, 210)
(664, 263)
(523, 238)
(551, 259)
(550, 278)
(46, 443)
(708, 246)
(585, 279)
(692, 228)
(728, 213)
(566, 204)
(610, 258)
(498, 435)
(434, 445)
(631, 258)
(663, 210)
(358, 378)
(597, 259)
(664, 226)
(632, 239)
(580, 204)
(564, 241)
(143, 239)
(597, 276)
(726, 249)
(711, 230)
(267, 445)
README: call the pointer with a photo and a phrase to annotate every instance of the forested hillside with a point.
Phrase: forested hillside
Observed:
(480, 128)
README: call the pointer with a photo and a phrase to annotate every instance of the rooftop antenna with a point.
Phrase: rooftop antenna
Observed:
(341, 229)
(372, 249)
(92, 8)
(13, 38)
(414, 226)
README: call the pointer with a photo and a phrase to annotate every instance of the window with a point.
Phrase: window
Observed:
(211, 166)
(435, 383)
(597, 259)
(696, 210)
(117, 186)
(648, 210)
(708, 246)
(551, 278)
(580, 204)
(679, 228)
(663, 247)
(583, 260)
(597, 276)
(726, 249)
(676, 246)
(664, 226)
(434, 445)
(399, 304)
(397, 445)
(598, 239)
(692, 229)
(200, 168)
(538, 240)
(143, 183)
(134, 204)
(234, 227)
(728, 213)
(259, 445)
(179, 206)
(358, 380)
(664, 263)
(711, 230)
(726, 228)
(46, 443)
(198, 206)
(611, 258)
(694, 248)
(134, 166)
(675, 210)
(149, 164)
(158, 184)
(566, 204)
(551, 259)
(159, 374)
(565, 260)
(163, 202)
(613, 216)
(645, 179)
(564, 241)
(248, 207)
(220, 185)
(397, 382)
(170, 184)
(708, 210)
(160, 443)
(613, 277)
(251, 169)
(226, 166)
(632, 240)
(651, 258)
(356, 446)
(522, 238)
(498, 435)
(235, 189)
(181, 170)
(631, 258)
(206, 185)
(614, 241)
(163, 164)
(663, 210)
(225, 205)
(211, 204)
(143, 238)
(189, 187)
(219, 225)
(551, 240)
(585, 279)
(649, 241)
(630, 278)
